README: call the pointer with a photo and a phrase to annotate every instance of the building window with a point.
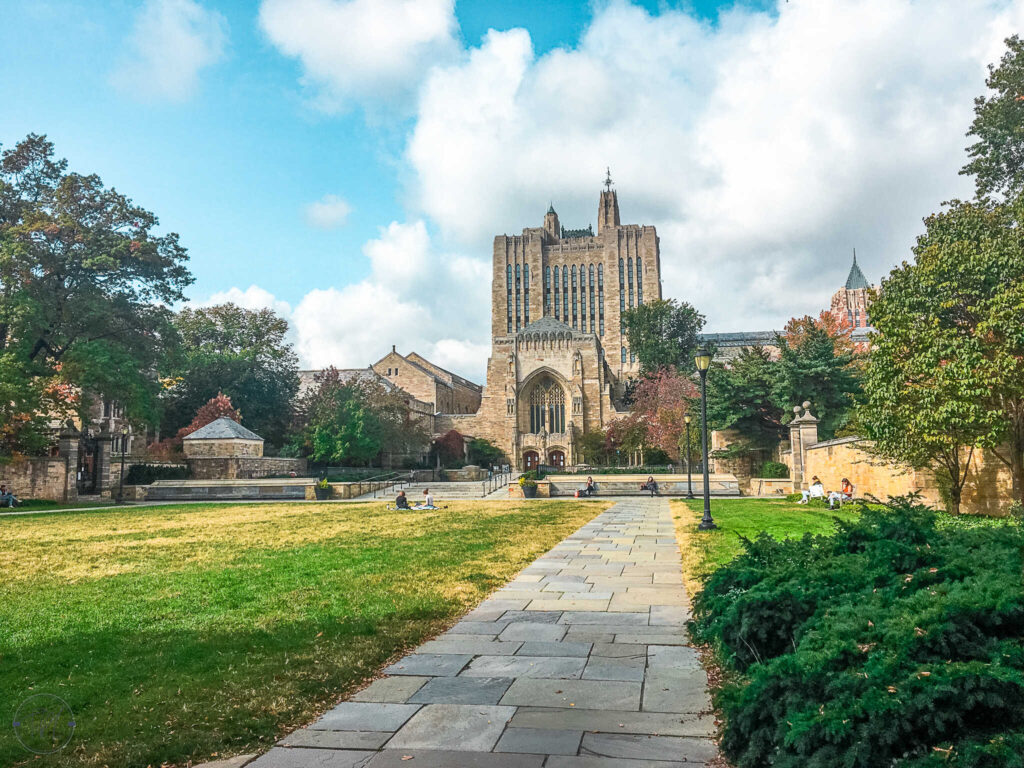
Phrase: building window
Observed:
(547, 290)
(623, 354)
(547, 407)
(600, 297)
(584, 301)
(389, 371)
(396, 371)
(565, 294)
(622, 274)
(632, 357)
(573, 295)
(639, 282)
(630, 281)
(591, 298)
(558, 304)
(526, 294)
(508, 297)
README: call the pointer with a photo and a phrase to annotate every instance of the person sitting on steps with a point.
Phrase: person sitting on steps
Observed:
(591, 488)
(650, 485)
(816, 491)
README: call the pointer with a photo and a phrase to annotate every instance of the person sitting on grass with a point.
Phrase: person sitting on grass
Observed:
(845, 493)
(428, 501)
(401, 501)
(650, 485)
(816, 491)
(7, 497)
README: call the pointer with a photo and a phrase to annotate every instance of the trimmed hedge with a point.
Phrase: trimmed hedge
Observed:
(896, 641)
(774, 470)
(144, 474)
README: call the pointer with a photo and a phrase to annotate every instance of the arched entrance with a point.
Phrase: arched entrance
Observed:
(556, 458)
(531, 459)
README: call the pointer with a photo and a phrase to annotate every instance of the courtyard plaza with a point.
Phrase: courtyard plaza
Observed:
(581, 661)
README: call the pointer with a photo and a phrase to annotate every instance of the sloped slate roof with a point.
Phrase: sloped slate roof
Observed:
(223, 429)
(856, 278)
(549, 324)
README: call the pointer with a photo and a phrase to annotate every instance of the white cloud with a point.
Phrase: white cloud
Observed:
(764, 147)
(170, 43)
(415, 297)
(373, 52)
(252, 297)
(329, 212)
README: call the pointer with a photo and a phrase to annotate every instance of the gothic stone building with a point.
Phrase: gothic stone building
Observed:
(559, 359)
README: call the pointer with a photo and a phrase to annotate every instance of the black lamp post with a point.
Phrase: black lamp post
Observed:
(689, 455)
(124, 450)
(703, 360)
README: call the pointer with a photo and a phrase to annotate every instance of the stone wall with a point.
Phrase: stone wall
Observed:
(41, 478)
(244, 468)
(987, 490)
(222, 448)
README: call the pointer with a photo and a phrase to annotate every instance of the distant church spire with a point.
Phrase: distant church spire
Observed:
(608, 210)
(608, 179)
(856, 279)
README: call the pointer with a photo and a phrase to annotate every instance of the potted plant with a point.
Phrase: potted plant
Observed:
(529, 486)
(322, 489)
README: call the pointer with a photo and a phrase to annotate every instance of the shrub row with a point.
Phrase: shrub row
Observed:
(896, 641)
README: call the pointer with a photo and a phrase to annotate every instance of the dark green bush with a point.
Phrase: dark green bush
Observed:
(144, 474)
(774, 470)
(896, 641)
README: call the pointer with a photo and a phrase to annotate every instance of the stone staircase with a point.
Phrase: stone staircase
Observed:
(448, 491)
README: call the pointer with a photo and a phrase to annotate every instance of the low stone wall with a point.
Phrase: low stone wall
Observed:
(720, 484)
(243, 468)
(284, 489)
(467, 474)
(762, 486)
(40, 478)
(987, 490)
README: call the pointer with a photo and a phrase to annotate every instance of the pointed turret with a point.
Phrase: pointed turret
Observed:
(551, 225)
(856, 278)
(608, 209)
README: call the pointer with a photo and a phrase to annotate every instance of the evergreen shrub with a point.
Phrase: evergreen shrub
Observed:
(774, 470)
(145, 474)
(897, 641)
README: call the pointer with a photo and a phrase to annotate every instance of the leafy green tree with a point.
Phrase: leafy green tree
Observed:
(242, 353)
(817, 363)
(84, 289)
(353, 421)
(955, 321)
(997, 157)
(741, 397)
(663, 334)
(486, 454)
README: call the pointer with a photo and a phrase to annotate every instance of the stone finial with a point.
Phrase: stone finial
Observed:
(796, 409)
(806, 405)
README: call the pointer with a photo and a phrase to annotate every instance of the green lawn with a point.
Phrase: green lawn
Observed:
(705, 551)
(179, 632)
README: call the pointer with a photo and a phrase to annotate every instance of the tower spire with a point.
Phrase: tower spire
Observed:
(608, 179)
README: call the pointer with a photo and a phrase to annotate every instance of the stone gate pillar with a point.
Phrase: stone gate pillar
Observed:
(67, 448)
(803, 432)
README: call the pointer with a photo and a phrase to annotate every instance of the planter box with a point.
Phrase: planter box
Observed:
(529, 491)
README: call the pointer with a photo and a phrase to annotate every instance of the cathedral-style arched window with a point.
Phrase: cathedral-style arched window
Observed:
(547, 407)
(630, 281)
(600, 296)
(558, 303)
(622, 274)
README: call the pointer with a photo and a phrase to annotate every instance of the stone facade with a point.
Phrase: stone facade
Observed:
(559, 361)
(243, 467)
(195, 449)
(445, 391)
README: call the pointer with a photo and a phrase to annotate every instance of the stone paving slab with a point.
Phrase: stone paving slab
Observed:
(581, 661)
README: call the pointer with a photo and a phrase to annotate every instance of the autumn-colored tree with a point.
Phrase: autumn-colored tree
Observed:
(215, 408)
(661, 401)
(450, 447)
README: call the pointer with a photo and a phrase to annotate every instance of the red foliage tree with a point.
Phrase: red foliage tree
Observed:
(450, 446)
(660, 403)
(215, 408)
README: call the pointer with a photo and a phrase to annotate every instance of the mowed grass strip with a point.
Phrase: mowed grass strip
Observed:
(705, 551)
(182, 632)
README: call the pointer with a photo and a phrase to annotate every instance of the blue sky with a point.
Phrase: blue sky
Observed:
(762, 154)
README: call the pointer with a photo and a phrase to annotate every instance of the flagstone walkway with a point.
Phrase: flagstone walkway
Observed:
(580, 662)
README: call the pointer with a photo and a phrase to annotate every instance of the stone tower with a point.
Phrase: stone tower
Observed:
(559, 360)
(850, 303)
